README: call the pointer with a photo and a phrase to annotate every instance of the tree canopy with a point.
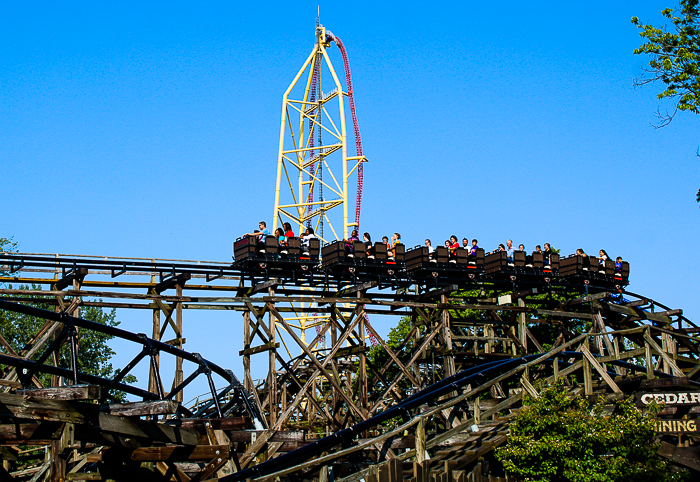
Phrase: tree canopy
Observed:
(675, 56)
(94, 353)
(560, 438)
(675, 59)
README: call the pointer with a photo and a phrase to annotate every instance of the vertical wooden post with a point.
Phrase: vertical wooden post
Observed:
(448, 358)
(556, 369)
(649, 361)
(247, 378)
(587, 375)
(178, 322)
(522, 326)
(420, 441)
(272, 370)
(362, 372)
(152, 381)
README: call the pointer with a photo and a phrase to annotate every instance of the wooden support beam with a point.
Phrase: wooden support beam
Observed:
(259, 349)
(674, 368)
(601, 371)
(140, 409)
(166, 453)
(73, 392)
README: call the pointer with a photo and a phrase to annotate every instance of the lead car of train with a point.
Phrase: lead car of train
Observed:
(340, 263)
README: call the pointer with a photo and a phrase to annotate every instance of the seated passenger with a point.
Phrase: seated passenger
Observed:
(510, 250)
(431, 250)
(501, 247)
(602, 257)
(385, 240)
(368, 244)
(465, 243)
(452, 248)
(288, 233)
(547, 253)
(395, 239)
(281, 238)
(261, 232)
(521, 247)
(618, 264)
(586, 260)
(350, 242)
(472, 250)
(538, 249)
(308, 235)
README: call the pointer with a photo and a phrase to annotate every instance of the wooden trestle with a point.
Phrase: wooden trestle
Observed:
(310, 391)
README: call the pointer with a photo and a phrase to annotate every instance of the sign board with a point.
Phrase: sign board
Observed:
(678, 398)
(677, 426)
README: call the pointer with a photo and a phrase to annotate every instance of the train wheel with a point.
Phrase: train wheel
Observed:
(434, 274)
(351, 269)
(513, 277)
(304, 267)
(390, 272)
(547, 280)
(262, 265)
(472, 276)
(586, 281)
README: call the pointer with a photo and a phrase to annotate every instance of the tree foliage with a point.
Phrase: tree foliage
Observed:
(675, 56)
(94, 352)
(559, 438)
(675, 59)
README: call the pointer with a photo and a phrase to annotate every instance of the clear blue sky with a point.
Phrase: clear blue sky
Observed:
(137, 130)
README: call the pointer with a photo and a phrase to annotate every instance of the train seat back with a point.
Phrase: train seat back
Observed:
(293, 247)
(244, 247)
(399, 252)
(380, 251)
(359, 249)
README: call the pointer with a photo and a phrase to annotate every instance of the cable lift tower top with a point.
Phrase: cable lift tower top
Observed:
(313, 165)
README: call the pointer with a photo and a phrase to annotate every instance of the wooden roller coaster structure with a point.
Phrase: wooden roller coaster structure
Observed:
(337, 410)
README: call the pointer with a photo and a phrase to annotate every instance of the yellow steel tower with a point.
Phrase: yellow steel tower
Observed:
(313, 156)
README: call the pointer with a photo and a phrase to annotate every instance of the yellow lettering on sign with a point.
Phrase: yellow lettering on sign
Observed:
(680, 425)
(666, 426)
(691, 426)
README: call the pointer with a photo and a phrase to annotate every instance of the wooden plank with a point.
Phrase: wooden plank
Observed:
(38, 431)
(230, 423)
(155, 431)
(259, 349)
(168, 453)
(73, 392)
(31, 408)
(138, 409)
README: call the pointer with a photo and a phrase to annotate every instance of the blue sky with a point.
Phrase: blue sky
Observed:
(151, 130)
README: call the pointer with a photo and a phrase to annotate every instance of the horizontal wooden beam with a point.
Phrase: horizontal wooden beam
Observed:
(259, 349)
(139, 409)
(73, 392)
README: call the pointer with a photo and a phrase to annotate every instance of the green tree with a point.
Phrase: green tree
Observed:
(559, 438)
(675, 59)
(94, 352)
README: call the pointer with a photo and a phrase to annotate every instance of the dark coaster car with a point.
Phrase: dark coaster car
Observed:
(589, 270)
(420, 264)
(249, 252)
(522, 267)
(338, 259)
